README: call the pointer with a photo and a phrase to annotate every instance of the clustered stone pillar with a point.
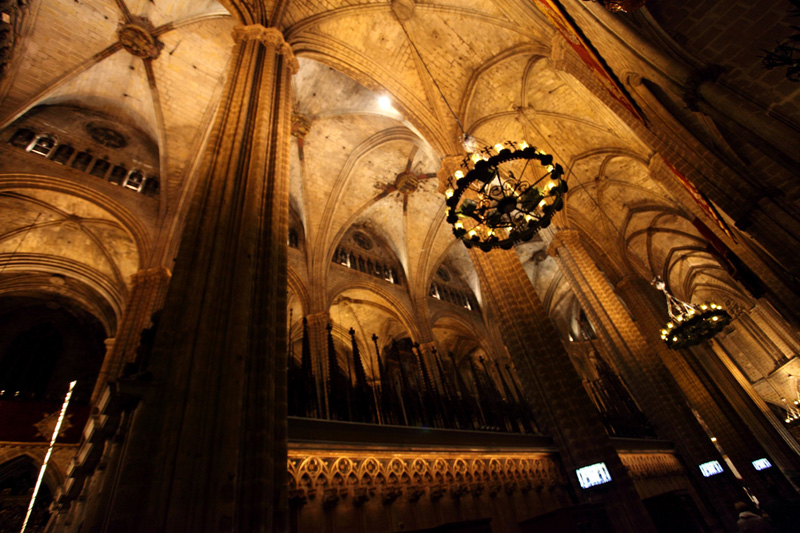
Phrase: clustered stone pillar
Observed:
(554, 387)
(207, 445)
(146, 297)
(735, 426)
(642, 371)
(318, 342)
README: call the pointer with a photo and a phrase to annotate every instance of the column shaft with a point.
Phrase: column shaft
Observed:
(559, 399)
(318, 341)
(207, 448)
(146, 297)
(648, 380)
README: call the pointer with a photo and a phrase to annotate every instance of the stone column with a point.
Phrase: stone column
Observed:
(146, 297)
(736, 426)
(207, 446)
(554, 388)
(318, 340)
(650, 384)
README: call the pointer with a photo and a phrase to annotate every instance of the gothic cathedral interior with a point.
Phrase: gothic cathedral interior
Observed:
(399, 265)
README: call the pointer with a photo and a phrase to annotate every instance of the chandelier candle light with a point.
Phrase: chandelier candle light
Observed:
(503, 198)
(690, 324)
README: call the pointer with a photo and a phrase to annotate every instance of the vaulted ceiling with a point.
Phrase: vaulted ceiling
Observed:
(445, 66)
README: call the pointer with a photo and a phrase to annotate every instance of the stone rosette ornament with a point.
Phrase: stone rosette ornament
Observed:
(137, 38)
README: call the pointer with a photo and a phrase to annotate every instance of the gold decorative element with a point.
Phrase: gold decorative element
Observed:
(301, 125)
(650, 466)
(46, 426)
(136, 37)
(406, 182)
(388, 476)
(269, 37)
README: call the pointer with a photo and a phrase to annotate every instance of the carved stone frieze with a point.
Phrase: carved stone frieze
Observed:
(651, 466)
(361, 476)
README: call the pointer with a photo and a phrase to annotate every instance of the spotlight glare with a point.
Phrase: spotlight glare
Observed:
(384, 103)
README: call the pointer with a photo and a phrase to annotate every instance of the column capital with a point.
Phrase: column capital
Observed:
(318, 318)
(691, 88)
(269, 37)
(151, 274)
(564, 237)
(426, 346)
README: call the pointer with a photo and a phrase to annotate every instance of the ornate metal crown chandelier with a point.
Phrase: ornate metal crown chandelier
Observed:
(499, 201)
(690, 324)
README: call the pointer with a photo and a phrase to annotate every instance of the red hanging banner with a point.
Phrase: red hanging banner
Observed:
(557, 16)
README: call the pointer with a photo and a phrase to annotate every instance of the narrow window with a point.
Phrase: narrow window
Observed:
(151, 186)
(63, 153)
(134, 180)
(43, 146)
(82, 160)
(22, 138)
(100, 168)
(118, 175)
(435, 291)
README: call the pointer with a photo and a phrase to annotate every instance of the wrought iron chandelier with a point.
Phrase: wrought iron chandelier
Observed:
(499, 201)
(690, 324)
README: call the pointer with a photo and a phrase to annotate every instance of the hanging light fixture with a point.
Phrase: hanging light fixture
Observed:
(508, 193)
(690, 324)
(496, 199)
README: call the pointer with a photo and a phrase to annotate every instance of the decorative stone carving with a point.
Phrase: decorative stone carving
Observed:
(137, 38)
(651, 466)
(301, 125)
(269, 37)
(403, 9)
(691, 89)
(406, 182)
(363, 476)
